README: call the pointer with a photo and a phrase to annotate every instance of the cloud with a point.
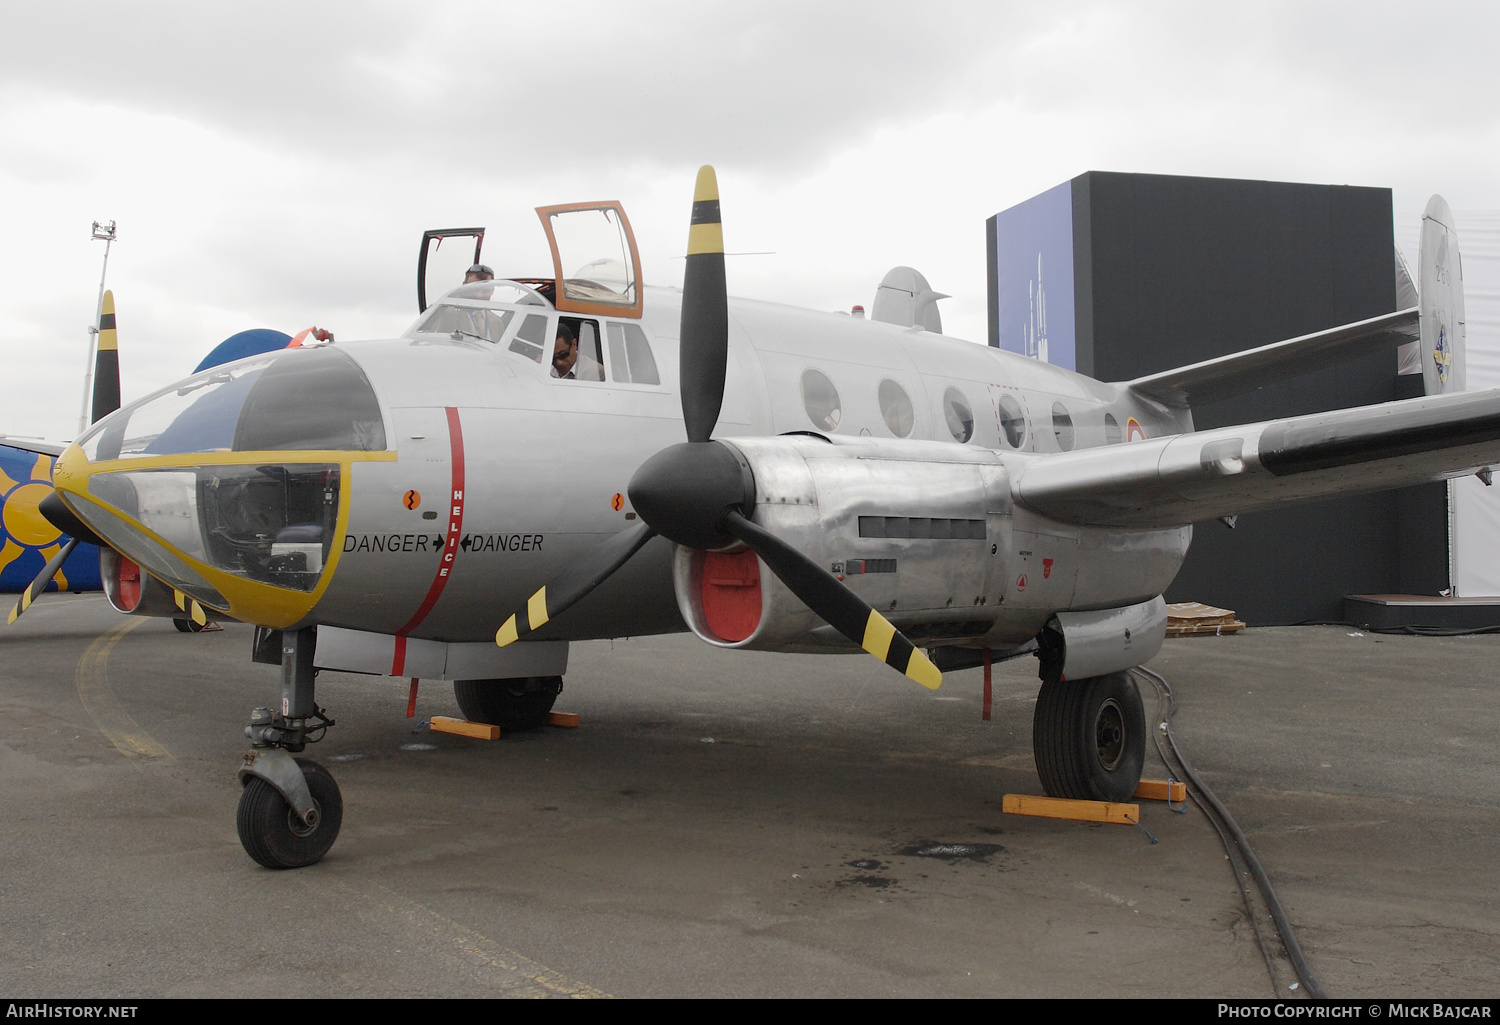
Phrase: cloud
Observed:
(275, 165)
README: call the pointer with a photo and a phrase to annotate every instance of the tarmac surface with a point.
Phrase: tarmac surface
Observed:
(740, 824)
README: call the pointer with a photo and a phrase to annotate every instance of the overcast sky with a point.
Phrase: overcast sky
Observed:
(274, 164)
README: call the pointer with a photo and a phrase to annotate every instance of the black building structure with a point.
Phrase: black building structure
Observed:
(1167, 271)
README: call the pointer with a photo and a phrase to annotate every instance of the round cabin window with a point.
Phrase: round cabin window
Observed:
(1012, 421)
(821, 400)
(958, 415)
(895, 408)
(1062, 427)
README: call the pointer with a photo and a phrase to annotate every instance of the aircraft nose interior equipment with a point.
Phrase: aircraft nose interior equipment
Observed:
(238, 469)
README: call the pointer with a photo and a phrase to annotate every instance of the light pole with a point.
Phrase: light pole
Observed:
(102, 233)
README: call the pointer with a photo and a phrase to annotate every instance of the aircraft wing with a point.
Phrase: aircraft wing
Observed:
(36, 445)
(1240, 372)
(1168, 482)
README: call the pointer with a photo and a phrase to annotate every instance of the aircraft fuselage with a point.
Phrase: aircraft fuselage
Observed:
(495, 474)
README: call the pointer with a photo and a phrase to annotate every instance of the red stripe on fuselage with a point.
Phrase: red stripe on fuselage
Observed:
(450, 548)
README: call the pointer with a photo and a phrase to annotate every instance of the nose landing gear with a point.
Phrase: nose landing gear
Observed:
(290, 808)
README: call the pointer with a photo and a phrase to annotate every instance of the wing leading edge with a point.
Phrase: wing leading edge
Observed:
(1170, 482)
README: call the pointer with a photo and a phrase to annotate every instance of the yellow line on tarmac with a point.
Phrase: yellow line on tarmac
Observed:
(518, 975)
(117, 725)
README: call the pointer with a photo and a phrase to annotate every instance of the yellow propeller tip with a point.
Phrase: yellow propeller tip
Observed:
(924, 672)
(707, 186)
(507, 634)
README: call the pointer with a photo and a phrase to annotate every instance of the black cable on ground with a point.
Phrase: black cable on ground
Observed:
(1165, 694)
(1262, 881)
(1414, 631)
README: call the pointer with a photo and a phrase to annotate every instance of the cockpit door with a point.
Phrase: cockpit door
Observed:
(594, 258)
(441, 270)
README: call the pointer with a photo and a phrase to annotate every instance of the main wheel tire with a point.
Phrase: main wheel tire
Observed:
(517, 704)
(1089, 738)
(271, 832)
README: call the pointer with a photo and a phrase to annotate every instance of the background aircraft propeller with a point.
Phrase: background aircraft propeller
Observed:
(700, 493)
(106, 400)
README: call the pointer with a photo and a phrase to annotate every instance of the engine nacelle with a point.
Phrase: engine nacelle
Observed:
(920, 531)
(132, 590)
(1105, 641)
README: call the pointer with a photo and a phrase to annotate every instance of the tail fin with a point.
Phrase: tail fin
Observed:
(905, 299)
(1442, 301)
(106, 363)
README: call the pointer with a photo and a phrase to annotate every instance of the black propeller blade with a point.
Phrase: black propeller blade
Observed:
(700, 493)
(106, 400)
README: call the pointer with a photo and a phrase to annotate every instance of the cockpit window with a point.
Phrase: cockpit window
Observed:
(467, 321)
(315, 398)
(630, 359)
(531, 338)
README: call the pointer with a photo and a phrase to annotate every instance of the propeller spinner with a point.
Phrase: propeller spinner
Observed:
(701, 493)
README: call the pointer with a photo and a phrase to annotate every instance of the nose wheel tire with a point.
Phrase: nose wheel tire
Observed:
(517, 704)
(1089, 738)
(274, 835)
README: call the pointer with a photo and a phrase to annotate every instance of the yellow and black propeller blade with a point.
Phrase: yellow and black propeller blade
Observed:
(197, 614)
(106, 363)
(698, 493)
(838, 606)
(106, 399)
(580, 577)
(43, 578)
(703, 346)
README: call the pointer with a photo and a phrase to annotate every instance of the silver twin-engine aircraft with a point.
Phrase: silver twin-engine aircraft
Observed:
(543, 460)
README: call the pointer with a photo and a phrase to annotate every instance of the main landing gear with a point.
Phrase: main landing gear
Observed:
(290, 808)
(516, 704)
(1089, 737)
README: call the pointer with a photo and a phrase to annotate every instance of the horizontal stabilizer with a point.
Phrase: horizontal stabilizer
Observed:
(1241, 372)
(1173, 481)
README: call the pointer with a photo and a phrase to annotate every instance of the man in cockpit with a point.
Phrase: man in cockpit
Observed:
(567, 362)
(479, 272)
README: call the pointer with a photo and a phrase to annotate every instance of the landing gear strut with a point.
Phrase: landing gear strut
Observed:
(1089, 737)
(290, 808)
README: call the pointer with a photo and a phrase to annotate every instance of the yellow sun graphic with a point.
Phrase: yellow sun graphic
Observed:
(25, 526)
